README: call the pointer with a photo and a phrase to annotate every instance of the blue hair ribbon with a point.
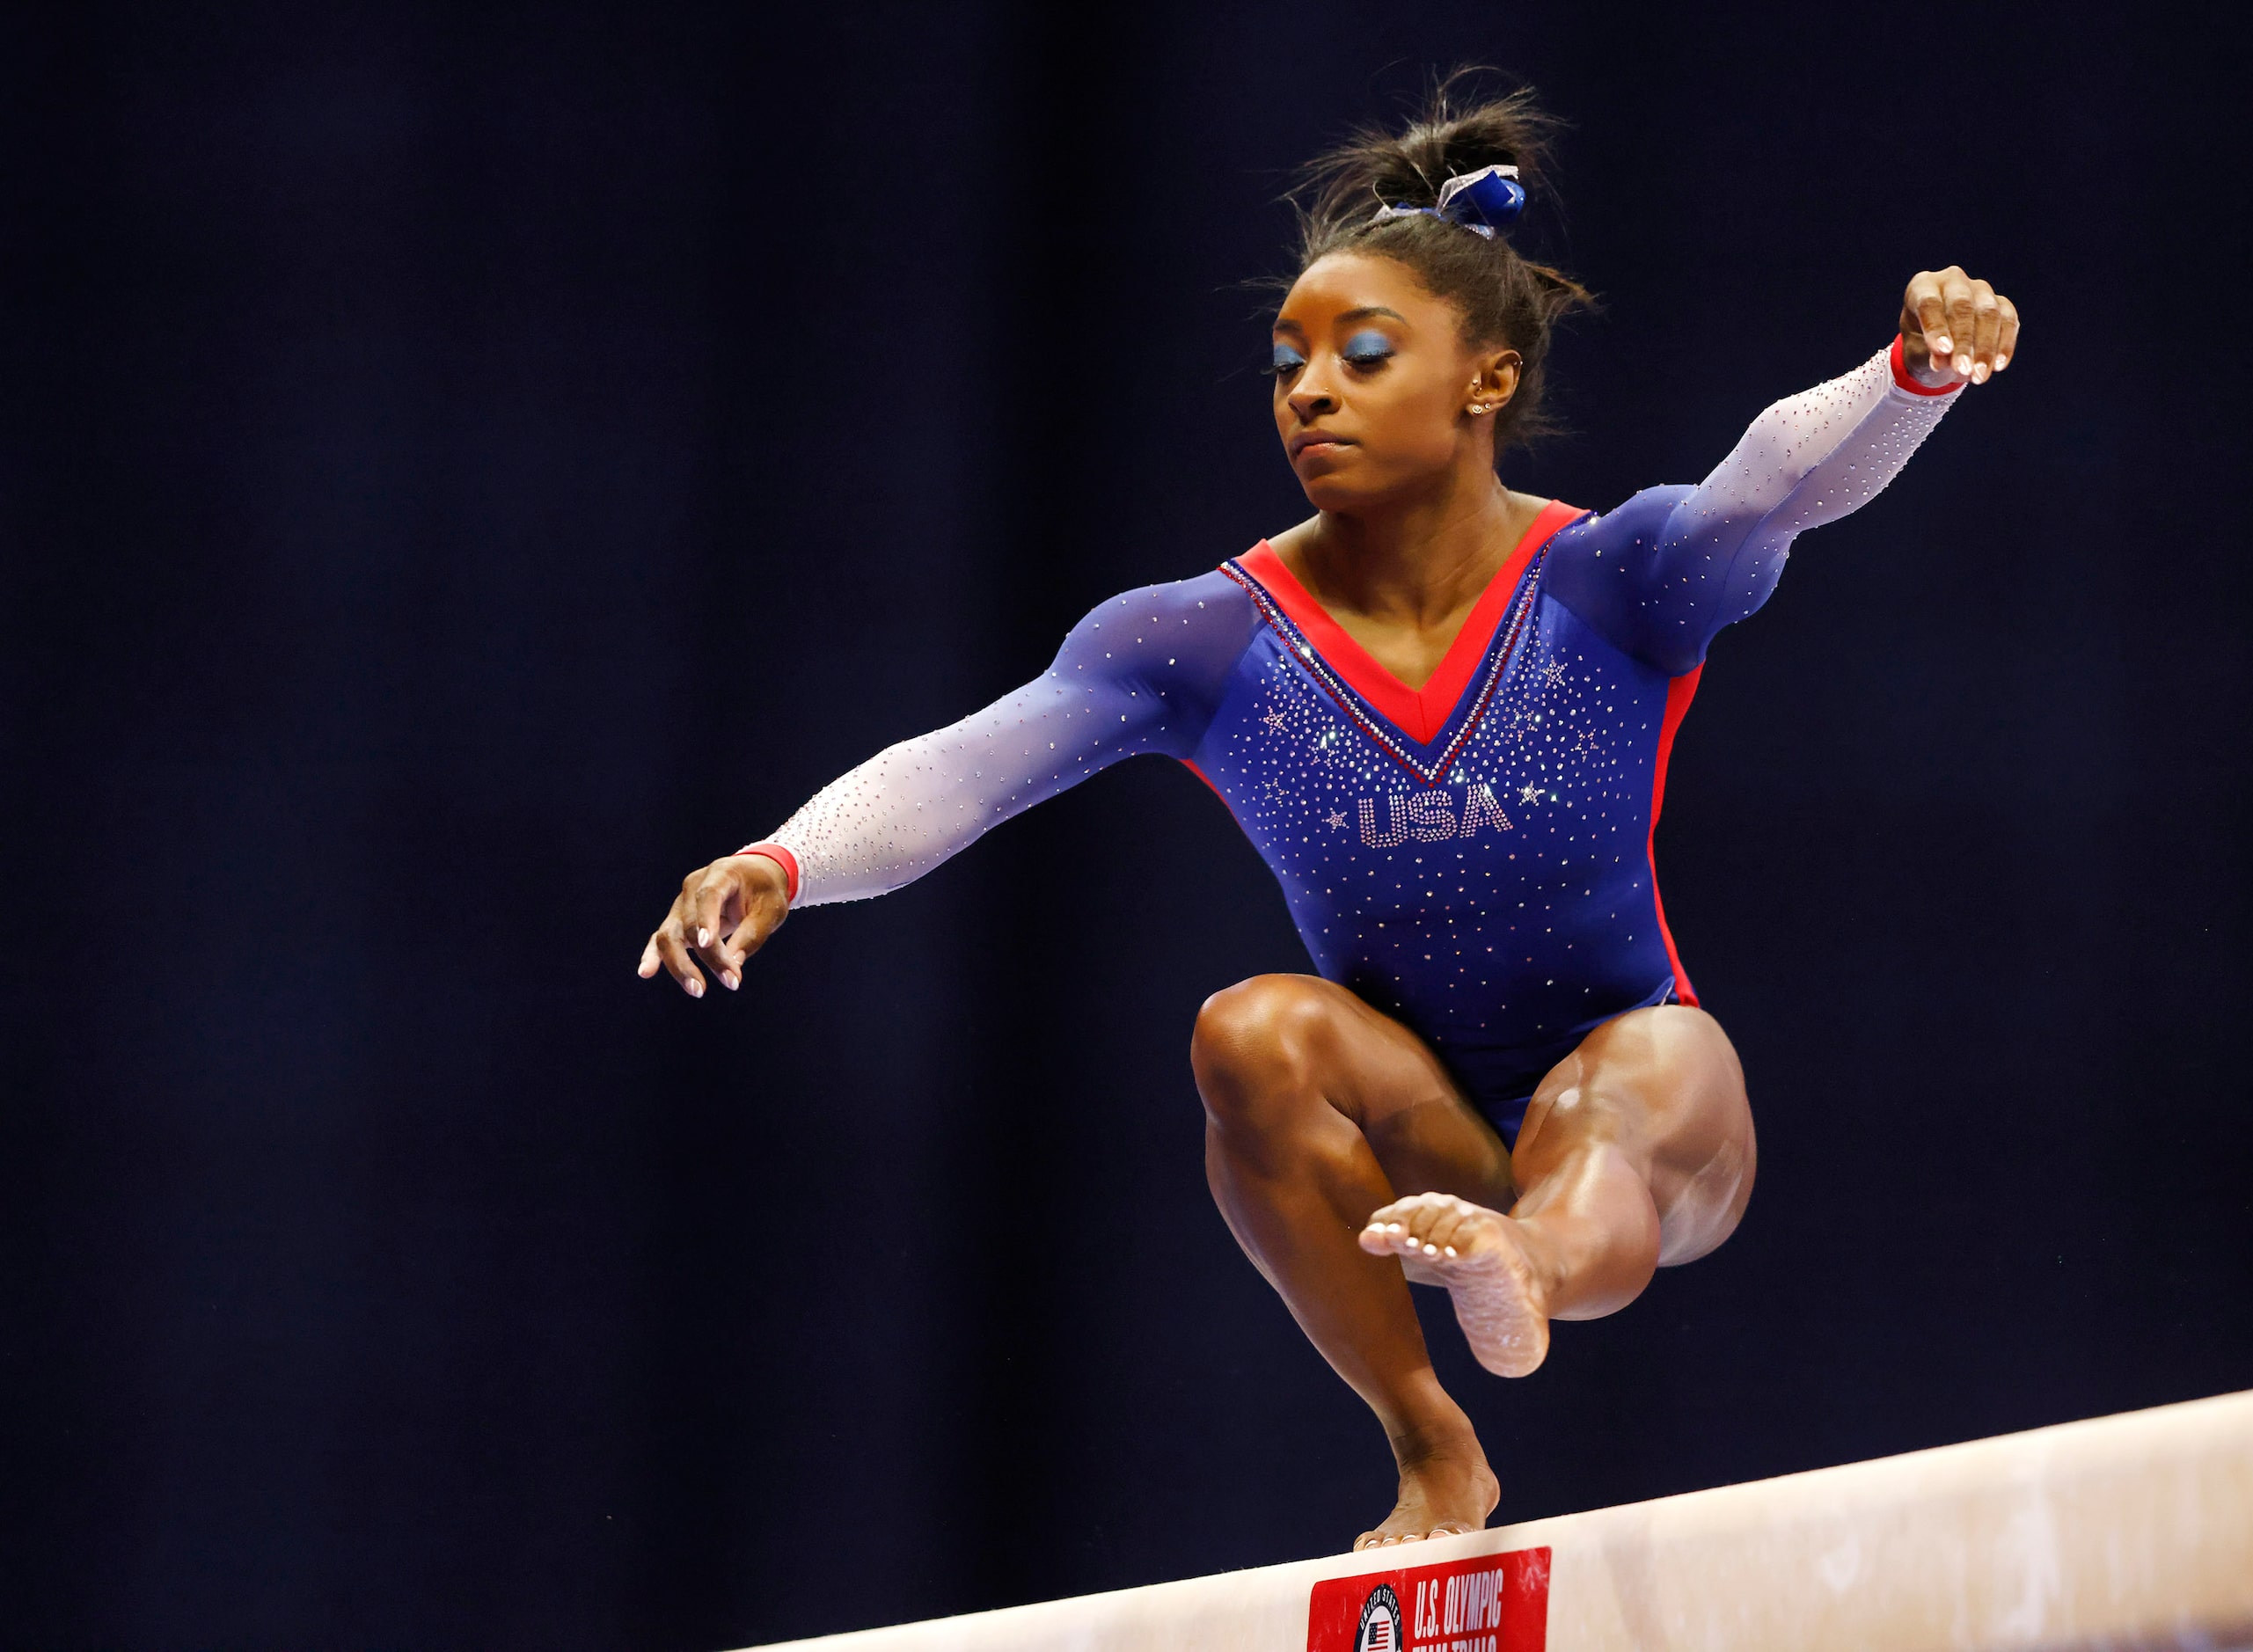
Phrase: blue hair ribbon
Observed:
(1481, 201)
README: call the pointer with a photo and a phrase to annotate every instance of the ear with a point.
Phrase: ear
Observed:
(1495, 379)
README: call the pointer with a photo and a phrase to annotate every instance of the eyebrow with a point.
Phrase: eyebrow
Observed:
(1363, 314)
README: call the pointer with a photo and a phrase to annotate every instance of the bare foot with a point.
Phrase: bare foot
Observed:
(1441, 1495)
(1480, 1256)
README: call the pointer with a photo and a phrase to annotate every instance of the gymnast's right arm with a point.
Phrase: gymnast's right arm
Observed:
(1143, 672)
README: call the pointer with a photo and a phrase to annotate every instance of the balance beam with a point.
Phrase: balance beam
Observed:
(2133, 1530)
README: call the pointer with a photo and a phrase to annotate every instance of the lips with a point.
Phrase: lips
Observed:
(1317, 442)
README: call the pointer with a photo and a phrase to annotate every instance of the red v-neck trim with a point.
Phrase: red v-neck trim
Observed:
(1420, 713)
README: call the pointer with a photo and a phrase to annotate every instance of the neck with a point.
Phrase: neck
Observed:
(1417, 558)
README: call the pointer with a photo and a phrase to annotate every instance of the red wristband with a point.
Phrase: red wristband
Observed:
(1907, 380)
(781, 856)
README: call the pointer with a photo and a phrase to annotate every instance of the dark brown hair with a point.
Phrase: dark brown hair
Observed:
(1504, 298)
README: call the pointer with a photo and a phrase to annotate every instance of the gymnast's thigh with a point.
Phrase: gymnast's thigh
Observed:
(1664, 1086)
(1304, 1040)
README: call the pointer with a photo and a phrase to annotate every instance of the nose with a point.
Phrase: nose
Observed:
(1310, 400)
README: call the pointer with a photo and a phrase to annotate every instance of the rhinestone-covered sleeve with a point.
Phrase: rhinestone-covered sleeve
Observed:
(1662, 574)
(1143, 672)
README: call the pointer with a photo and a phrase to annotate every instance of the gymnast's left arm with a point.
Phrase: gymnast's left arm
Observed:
(1662, 574)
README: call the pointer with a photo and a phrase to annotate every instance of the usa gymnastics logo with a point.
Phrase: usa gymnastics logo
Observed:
(1490, 1603)
(1380, 1622)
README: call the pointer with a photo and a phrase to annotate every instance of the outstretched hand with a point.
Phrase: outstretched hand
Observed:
(1954, 328)
(723, 914)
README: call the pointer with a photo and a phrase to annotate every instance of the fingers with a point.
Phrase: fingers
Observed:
(1986, 331)
(708, 909)
(1925, 310)
(670, 947)
(749, 935)
(723, 914)
(1966, 327)
(1961, 301)
(762, 902)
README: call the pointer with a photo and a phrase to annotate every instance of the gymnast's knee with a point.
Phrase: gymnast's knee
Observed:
(1257, 1048)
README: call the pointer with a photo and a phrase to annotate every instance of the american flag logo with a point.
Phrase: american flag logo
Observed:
(1380, 1621)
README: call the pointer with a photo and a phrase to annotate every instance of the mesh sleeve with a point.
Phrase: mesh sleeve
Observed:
(1662, 574)
(1143, 672)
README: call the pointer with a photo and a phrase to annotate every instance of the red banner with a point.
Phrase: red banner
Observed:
(1497, 1603)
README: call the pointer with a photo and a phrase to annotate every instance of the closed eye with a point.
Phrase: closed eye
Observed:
(1287, 362)
(1367, 349)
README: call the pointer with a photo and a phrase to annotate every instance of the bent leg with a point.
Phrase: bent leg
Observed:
(1644, 1128)
(1637, 1152)
(1319, 1110)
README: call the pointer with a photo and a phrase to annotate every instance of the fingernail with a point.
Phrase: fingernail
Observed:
(730, 980)
(704, 938)
(1431, 1250)
(1979, 373)
(1392, 1227)
(1943, 346)
(1451, 1250)
(696, 986)
(2002, 361)
(1963, 364)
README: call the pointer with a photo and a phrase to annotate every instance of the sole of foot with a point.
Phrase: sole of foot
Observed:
(1477, 1254)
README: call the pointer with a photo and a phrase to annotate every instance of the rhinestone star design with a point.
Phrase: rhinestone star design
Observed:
(1554, 673)
(1274, 719)
(1335, 820)
(1529, 793)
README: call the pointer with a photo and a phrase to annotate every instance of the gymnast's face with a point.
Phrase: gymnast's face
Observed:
(1375, 385)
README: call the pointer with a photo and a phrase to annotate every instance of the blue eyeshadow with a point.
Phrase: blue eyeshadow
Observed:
(1365, 346)
(1288, 360)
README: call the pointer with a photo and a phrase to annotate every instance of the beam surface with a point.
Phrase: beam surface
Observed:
(2133, 1530)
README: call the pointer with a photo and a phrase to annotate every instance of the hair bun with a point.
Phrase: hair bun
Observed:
(1461, 161)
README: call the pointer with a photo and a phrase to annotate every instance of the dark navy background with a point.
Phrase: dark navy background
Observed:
(462, 467)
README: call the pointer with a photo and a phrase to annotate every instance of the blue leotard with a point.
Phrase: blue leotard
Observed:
(1474, 857)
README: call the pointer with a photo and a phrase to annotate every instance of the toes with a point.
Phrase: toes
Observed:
(1428, 1226)
(1390, 1239)
(1389, 1215)
(1440, 1232)
(1407, 1210)
(1382, 1238)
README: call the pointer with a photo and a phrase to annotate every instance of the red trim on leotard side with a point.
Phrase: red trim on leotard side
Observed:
(1191, 765)
(1679, 694)
(1419, 713)
(781, 856)
(1908, 381)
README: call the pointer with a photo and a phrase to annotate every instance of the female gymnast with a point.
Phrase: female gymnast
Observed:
(1441, 710)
